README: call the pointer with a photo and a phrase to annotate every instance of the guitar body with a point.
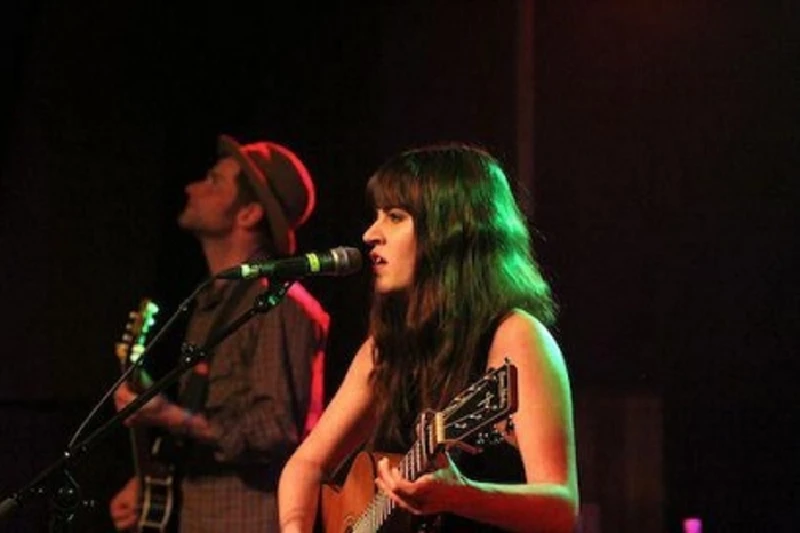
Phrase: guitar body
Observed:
(341, 505)
(157, 480)
(157, 506)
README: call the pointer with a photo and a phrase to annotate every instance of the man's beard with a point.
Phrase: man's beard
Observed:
(196, 226)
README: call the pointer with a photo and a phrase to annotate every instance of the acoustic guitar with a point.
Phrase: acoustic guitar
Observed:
(355, 506)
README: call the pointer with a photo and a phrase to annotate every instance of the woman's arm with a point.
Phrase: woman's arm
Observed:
(344, 425)
(543, 431)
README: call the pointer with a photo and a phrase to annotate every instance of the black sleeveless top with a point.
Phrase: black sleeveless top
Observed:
(496, 463)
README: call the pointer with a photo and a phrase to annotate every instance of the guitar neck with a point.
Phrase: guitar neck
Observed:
(137, 437)
(414, 463)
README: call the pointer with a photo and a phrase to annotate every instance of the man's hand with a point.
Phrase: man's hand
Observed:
(151, 413)
(123, 508)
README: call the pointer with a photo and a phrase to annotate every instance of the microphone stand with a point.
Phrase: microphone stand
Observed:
(66, 498)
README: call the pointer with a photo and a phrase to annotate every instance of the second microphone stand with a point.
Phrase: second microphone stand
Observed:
(65, 493)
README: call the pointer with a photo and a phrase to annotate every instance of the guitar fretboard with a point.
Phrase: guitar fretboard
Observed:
(412, 465)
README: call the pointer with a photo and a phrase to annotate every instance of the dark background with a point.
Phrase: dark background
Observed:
(657, 143)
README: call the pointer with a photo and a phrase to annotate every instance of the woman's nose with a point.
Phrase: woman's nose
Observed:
(371, 236)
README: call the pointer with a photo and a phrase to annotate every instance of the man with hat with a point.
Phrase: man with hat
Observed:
(241, 414)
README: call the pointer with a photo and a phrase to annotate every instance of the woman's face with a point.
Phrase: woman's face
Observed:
(394, 248)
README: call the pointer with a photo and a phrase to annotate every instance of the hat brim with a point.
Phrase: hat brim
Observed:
(282, 234)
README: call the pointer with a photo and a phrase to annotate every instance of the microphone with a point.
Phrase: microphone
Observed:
(341, 261)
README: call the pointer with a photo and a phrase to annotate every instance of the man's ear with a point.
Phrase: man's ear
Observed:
(250, 215)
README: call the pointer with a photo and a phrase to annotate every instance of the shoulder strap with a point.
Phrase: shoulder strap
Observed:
(488, 335)
(196, 392)
(299, 418)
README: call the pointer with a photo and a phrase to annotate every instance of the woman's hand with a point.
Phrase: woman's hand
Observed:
(151, 413)
(429, 494)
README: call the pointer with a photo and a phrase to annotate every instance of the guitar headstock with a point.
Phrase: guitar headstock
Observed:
(132, 344)
(483, 403)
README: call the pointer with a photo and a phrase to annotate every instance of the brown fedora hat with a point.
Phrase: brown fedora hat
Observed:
(282, 183)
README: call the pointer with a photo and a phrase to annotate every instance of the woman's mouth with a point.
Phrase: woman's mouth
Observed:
(377, 261)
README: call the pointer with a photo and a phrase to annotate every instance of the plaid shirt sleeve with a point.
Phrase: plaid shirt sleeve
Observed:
(260, 385)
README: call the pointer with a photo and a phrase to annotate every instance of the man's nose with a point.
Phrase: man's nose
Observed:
(192, 186)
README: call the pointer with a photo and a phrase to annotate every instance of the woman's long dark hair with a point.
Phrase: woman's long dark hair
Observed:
(474, 264)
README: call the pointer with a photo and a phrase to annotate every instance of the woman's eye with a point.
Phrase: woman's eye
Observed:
(396, 216)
